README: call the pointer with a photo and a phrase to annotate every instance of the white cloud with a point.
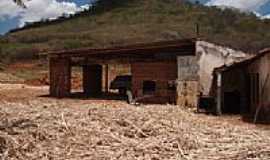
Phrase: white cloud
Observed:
(44, 9)
(86, 6)
(8, 9)
(266, 16)
(256, 6)
(244, 5)
(36, 10)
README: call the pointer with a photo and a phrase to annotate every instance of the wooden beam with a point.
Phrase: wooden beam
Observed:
(179, 47)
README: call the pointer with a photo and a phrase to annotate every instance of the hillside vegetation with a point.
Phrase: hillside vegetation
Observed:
(114, 23)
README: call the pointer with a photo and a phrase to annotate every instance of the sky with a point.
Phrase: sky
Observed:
(12, 16)
(259, 7)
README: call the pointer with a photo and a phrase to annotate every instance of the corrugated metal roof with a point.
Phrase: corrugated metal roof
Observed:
(243, 63)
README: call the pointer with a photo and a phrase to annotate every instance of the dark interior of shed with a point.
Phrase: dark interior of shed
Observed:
(232, 102)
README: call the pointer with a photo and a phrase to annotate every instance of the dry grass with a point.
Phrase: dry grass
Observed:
(44, 128)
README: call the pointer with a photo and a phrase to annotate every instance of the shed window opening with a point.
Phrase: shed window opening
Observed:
(149, 87)
(171, 86)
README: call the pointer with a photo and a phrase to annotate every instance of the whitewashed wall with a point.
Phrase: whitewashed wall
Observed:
(212, 56)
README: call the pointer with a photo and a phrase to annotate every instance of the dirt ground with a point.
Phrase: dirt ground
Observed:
(33, 126)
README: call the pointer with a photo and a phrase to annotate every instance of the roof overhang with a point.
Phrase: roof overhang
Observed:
(243, 63)
(166, 48)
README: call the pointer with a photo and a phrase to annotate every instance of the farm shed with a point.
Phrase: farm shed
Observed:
(153, 68)
(162, 72)
(244, 87)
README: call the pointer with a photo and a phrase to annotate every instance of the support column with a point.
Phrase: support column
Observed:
(187, 93)
(92, 80)
(187, 81)
(60, 77)
(219, 94)
(107, 78)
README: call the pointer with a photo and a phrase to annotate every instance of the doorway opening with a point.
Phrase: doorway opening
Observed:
(76, 79)
(232, 102)
(149, 87)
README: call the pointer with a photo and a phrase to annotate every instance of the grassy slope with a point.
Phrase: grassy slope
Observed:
(141, 21)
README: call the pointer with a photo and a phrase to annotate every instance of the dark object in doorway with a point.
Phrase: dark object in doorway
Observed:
(122, 83)
(206, 104)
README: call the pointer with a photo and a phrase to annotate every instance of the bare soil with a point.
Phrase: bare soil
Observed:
(34, 73)
(33, 126)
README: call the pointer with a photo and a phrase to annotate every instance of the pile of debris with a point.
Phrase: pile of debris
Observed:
(51, 129)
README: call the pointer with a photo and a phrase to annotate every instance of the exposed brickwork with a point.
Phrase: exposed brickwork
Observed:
(60, 75)
(161, 73)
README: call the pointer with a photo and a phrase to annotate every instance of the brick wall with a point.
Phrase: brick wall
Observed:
(60, 75)
(161, 73)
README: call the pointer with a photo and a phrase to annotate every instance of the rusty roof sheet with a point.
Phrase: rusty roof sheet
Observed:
(243, 63)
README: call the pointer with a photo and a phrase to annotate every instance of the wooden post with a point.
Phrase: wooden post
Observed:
(107, 78)
(60, 77)
(219, 94)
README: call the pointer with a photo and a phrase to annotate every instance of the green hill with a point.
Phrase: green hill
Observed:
(120, 22)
